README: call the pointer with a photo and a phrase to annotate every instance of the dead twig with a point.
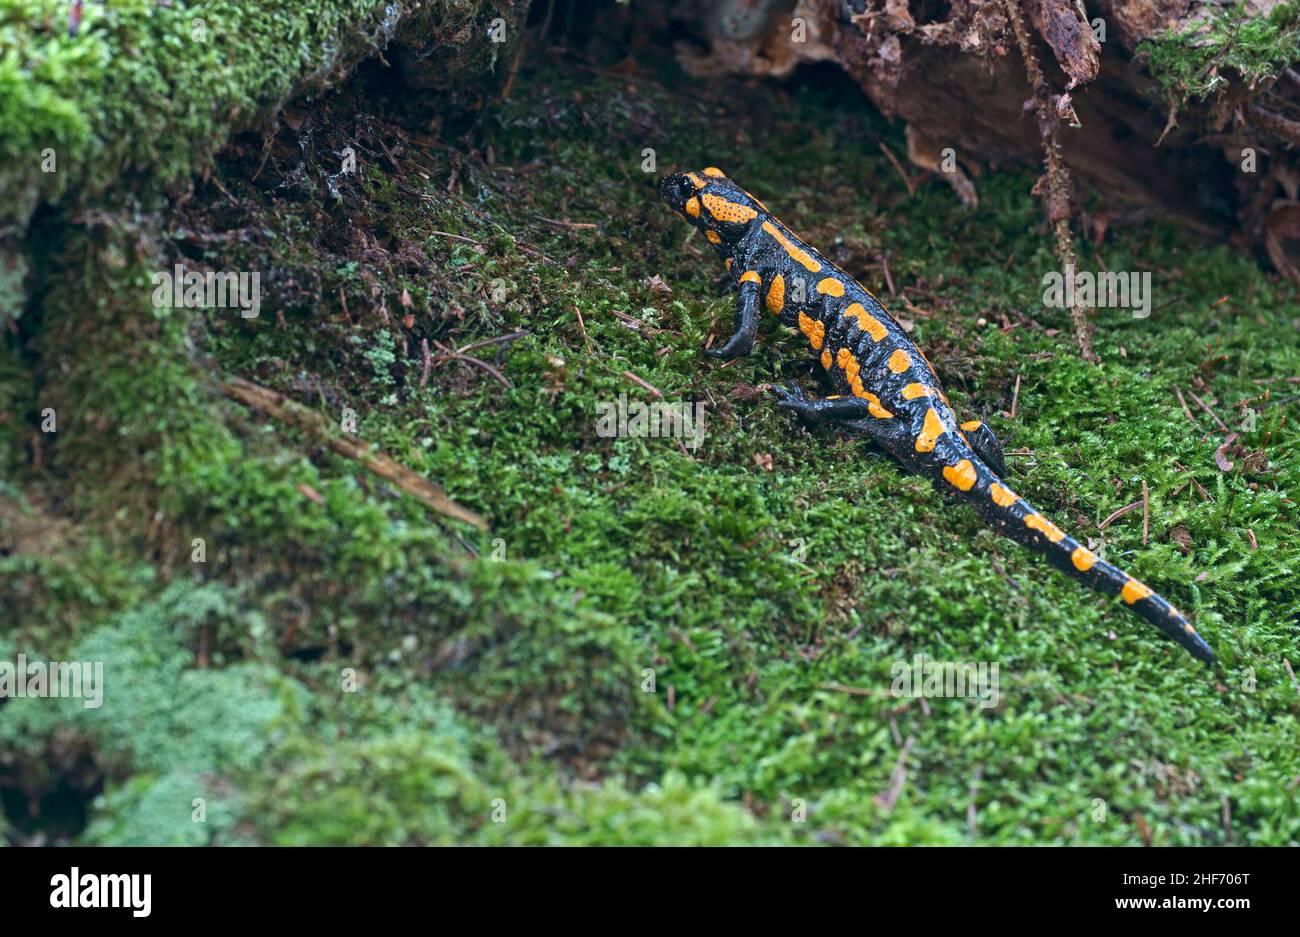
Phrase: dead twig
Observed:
(457, 237)
(1116, 515)
(279, 407)
(500, 339)
(1183, 403)
(566, 224)
(450, 354)
(974, 792)
(897, 778)
(428, 362)
(1214, 416)
(644, 383)
(583, 326)
(1146, 512)
(893, 160)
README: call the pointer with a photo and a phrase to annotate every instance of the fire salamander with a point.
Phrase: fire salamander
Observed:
(886, 388)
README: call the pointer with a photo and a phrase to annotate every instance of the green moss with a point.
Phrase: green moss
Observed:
(1227, 43)
(147, 92)
(657, 645)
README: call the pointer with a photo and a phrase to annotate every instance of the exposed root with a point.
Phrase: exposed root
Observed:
(1055, 185)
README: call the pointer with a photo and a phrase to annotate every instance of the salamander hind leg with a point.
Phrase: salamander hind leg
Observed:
(985, 444)
(838, 409)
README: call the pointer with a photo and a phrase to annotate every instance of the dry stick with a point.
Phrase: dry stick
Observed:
(1284, 127)
(974, 792)
(1183, 403)
(449, 354)
(1286, 665)
(907, 181)
(887, 800)
(280, 407)
(1015, 397)
(1146, 512)
(851, 690)
(492, 341)
(1214, 416)
(582, 325)
(514, 67)
(566, 224)
(1058, 176)
(644, 383)
(428, 362)
(1116, 515)
(457, 237)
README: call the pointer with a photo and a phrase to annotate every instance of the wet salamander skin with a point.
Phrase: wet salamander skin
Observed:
(884, 386)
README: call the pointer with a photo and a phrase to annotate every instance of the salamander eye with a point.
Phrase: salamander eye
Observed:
(682, 188)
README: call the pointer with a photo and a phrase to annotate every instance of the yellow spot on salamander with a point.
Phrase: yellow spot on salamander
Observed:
(852, 373)
(728, 263)
(693, 207)
(813, 328)
(912, 391)
(796, 252)
(750, 276)
(931, 430)
(715, 172)
(830, 287)
(827, 361)
(866, 321)
(776, 295)
(1050, 530)
(696, 180)
(1002, 496)
(873, 404)
(1134, 590)
(900, 361)
(713, 237)
(971, 425)
(1083, 559)
(724, 210)
(961, 476)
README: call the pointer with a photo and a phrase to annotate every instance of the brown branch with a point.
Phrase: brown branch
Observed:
(449, 354)
(898, 777)
(1284, 127)
(1214, 416)
(428, 363)
(644, 383)
(1116, 515)
(1146, 512)
(907, 180)
(281, 408)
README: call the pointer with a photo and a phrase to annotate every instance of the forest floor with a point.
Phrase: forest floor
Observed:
(650, 643)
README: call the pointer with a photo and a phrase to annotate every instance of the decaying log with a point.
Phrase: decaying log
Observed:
(950, 72)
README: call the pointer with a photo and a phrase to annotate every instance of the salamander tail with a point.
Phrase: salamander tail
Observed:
(1020, 521)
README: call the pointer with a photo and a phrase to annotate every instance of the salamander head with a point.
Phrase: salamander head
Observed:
(712, 202)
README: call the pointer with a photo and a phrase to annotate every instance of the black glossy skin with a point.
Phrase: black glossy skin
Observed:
(901, 407)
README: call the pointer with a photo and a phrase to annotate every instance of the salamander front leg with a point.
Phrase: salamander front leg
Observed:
(746, 325)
